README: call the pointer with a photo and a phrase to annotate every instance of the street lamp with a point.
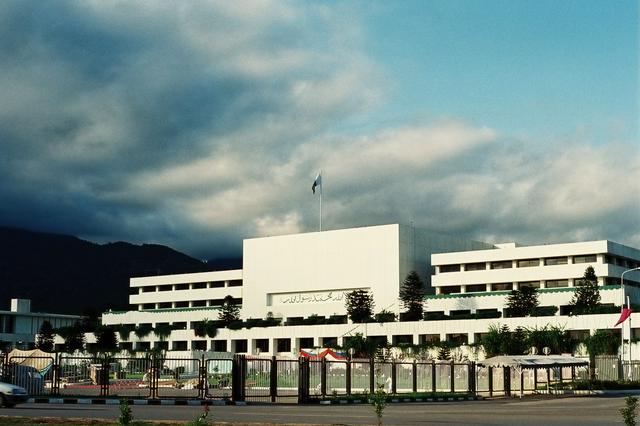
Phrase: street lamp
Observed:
(622, 327)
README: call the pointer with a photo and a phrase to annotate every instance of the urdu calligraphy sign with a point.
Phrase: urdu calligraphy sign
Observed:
(309, 297)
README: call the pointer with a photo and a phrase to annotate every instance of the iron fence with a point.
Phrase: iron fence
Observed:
(269, 379)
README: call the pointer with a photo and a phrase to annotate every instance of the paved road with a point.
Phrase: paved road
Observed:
(529, 411)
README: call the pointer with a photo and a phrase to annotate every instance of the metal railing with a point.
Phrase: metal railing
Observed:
(271, 379)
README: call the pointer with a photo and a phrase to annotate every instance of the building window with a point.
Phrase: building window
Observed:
(504, 264)
(458, 338)
(585, 259)
(449, 268)
(481, 266)
(164, 305)
(180, 325)
(195, 286)
(198, 345)
(403, 339)
(182, 304)
(283, 345)
(550, 261)
(429, 338)
(526, 263)
(556, 283)
(182, 286)
(262, 345)
(148, 289)
(149, 306)
(329, 342)
(216, 284)
(179, 345)
(219, 345)
(474, 288)
(166, 287)
(306, 342)
(235, 283)
(163, 345)
(450, 289)
(501, 286)
(530, 284)
(197, 303)
(240, 345)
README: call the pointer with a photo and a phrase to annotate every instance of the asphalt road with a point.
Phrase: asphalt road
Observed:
(529, 411)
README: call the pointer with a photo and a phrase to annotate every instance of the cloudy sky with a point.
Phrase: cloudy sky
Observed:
(196, 124)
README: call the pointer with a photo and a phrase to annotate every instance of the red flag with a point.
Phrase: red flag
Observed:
(626, 313)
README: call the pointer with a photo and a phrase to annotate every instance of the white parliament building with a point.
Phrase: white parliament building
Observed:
(293, 277)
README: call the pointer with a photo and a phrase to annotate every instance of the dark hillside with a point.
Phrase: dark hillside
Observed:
(65, 274)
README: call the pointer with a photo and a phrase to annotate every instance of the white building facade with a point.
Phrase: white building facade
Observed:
(294, 277)
(19, 326)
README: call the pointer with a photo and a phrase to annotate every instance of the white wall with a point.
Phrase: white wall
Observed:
(304, 274)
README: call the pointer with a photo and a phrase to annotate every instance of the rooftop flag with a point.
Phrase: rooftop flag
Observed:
(317, 182)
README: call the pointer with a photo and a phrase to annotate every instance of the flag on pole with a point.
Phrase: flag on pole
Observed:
(624, 315)
(316, 183)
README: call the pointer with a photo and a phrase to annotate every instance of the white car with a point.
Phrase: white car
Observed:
(11, 395)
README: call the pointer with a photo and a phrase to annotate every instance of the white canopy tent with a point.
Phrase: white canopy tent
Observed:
(533, 362)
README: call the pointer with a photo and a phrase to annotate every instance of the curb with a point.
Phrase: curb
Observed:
(116, 401)
(403, 400)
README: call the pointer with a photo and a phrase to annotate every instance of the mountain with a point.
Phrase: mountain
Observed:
(64, 274)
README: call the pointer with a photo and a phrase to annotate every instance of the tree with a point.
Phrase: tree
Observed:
(359, 346)
(44, 338)
(162, 331)
(522, 302)
(359, 304)
(73, 337)
(106, 340)
(229, 311)
(501, 341)
(444, 353)
(587, 295)
(601, 342)
(412, 296)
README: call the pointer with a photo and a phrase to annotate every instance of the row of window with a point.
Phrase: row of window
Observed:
(187, 286)
(184, 304)
(474, 288)
(520, 263)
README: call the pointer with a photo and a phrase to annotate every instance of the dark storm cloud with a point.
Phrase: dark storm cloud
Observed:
(97, 93)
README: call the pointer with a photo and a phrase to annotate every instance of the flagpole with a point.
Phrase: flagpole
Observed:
(321, 191)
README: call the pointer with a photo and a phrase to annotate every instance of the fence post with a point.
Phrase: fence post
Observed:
(238, 370)
(155, 372)
(55, 373)
(471, 376)
(490, 380)
(303, 380)
(452, 372)
(414, 376)
(323, 377)
(620, 368)
(104, 376)
(203, 383)
(506, 371)
(372, 375)
(434, 383)
(273, 379)
(394, 377)
(348, 375)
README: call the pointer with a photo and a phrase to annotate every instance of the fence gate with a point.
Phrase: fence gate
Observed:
(219, 379)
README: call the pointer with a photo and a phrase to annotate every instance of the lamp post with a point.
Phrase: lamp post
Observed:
(622, 327)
